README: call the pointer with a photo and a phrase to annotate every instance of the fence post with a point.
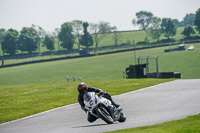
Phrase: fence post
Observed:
(2, 61)
(134, 51)
(138, 59)
(157, 66)
(147, 69)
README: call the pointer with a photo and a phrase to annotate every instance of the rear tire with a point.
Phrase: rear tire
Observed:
(104, 115)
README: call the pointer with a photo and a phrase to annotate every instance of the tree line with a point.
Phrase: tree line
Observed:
(155, 26)
(82, 33)
(29, 39)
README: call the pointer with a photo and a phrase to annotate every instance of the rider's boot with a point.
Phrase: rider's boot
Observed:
(107, 95)
(116, 105)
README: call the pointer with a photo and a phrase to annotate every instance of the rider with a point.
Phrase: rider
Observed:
(82, 89)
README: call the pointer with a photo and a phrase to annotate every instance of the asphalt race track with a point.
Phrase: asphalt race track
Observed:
(152, 105)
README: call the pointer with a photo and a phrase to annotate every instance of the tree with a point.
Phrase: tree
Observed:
(188, 19)
(168, 27)
(2, 35)
(86, 38)
(116, 35)
(66, 36)
(187, 31)
(94, 29)
(144, 19)
(99, 31)
(9, 43)
(41, 34)
(49, 42)
(28, 40)
(77, 29)
(55, 37)
(197, 20)
(178, 23)
(155, 29)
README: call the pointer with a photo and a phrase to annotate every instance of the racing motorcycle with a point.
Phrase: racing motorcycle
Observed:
(101, 107)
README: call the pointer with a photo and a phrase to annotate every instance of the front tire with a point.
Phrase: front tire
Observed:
(122, 118)
(104, 115)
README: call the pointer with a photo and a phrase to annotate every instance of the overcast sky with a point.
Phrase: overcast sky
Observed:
(50, 14)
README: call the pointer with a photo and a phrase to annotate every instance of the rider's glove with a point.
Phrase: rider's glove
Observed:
(101, 93)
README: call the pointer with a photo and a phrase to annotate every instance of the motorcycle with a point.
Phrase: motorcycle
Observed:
(101, 107)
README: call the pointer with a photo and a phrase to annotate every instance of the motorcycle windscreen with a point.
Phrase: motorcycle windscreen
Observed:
(87, 97)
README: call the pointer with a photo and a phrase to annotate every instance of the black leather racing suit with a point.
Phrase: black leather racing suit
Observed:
(80, 96)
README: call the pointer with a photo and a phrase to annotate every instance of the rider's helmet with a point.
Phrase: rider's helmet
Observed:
(81, 87)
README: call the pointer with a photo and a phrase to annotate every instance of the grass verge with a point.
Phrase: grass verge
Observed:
(190, 124)
(17, 101)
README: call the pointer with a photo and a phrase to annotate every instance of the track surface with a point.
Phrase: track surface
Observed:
(148, 106)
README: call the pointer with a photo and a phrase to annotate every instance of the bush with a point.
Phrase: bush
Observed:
(167, 40)
(142, 42)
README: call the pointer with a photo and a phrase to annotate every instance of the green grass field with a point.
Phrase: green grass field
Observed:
(29, 89)
(101, 67)
(190, 124)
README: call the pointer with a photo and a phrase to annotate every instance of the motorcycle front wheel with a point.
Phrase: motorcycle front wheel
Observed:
(122, 118)
(104, 115)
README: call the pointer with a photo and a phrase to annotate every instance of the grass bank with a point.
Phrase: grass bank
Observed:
(17, 101)
(190, 124)
(103, 67)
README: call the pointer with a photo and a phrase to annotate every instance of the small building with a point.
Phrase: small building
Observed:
(136, 71)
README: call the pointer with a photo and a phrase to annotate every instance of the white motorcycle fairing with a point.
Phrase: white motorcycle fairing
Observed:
(101, 107)
(91, 100)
